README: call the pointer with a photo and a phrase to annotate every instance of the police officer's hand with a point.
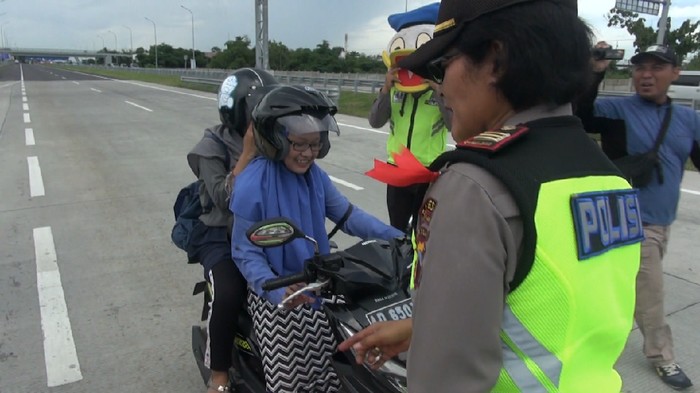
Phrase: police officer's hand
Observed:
(380, 342)
(601, 65)
(389, 78)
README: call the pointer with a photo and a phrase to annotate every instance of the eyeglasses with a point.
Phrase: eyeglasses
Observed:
(436, 67)
(302, 147)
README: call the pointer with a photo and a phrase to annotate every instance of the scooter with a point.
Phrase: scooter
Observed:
(371, 277)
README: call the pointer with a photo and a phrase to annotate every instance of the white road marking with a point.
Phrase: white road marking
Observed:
(76, 82)
(138, 106)
(346, 184)
(690, 191)
(29, 137)
(36, 183)
(63, 77)
(147, 86)
(377, 131)
(99, 91)
(7, 84)
(25, 107)
(24, 99)
(364, 128)
(27, 119)
(60, 355)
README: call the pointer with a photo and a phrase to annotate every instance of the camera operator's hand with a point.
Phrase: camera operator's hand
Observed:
(600, 65)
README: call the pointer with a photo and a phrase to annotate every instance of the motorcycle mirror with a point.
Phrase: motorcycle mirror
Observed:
(273, 232)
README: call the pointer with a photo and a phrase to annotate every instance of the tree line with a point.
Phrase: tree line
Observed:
(239, 52)
(685, 40)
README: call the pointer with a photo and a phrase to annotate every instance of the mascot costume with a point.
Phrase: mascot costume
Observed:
(417, 116)
(413, 29)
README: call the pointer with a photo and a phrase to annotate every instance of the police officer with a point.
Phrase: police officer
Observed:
(528, 240)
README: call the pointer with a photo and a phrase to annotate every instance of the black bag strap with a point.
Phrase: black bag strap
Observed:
(341, 222)
(664, 127)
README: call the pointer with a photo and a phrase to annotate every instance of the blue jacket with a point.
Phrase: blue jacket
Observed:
(642, 120)
(267, 189)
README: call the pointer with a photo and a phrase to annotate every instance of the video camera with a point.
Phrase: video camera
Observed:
(607, 54)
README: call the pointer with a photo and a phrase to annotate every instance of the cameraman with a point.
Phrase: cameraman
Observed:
(630, 125)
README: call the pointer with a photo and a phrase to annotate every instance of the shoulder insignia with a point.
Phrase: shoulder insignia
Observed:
(494, 140)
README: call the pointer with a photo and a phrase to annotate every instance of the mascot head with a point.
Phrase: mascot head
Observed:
(413, 29)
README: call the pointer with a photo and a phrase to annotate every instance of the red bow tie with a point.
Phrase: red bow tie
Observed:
(406, 171)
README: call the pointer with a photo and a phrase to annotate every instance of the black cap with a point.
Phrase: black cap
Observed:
(661, 52)
(452, 17)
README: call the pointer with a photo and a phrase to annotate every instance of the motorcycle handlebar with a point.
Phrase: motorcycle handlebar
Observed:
(285, 281)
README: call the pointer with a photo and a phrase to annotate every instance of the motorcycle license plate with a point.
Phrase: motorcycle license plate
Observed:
(393, 312)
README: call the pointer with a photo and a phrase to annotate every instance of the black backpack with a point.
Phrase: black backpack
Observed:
(188, 208)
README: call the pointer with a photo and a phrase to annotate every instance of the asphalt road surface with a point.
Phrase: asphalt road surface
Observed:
(94, 296)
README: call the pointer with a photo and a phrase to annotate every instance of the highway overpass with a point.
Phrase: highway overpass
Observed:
(44, 52)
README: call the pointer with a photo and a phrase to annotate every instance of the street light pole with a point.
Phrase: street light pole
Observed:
(662, 23)
(116, 45)
(131, 40)
(193, 62)
(2, 33)
(155, 35)
(131, 46)
(103, 42)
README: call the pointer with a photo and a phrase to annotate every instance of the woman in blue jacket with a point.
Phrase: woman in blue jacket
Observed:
(291, 132)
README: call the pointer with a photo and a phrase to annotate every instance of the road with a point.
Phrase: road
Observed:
(93, 295)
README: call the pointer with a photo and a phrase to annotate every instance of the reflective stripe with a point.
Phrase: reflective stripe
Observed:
(530, 365)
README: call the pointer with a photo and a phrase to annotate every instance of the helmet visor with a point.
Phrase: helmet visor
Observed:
(304, 123)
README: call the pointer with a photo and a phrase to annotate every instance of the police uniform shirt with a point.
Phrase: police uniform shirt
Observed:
(474, 239)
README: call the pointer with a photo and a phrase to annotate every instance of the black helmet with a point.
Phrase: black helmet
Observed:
(239, 93)
(286, 110)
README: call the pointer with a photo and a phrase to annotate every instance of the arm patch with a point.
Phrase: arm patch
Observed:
(606, 220)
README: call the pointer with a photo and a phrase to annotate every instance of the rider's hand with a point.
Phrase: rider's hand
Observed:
(380, 342)
(247, 155)
(600, 65)
(299, 299)
(249, 148)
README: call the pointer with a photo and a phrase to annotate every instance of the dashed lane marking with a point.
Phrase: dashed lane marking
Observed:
(139, 106)
(36, 183)
(346, 184)
(61, 357)
(29, 137)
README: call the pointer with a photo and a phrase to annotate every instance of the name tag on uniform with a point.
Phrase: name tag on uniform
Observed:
(605, 220)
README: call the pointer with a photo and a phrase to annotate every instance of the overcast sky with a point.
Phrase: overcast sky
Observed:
(92, 24)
